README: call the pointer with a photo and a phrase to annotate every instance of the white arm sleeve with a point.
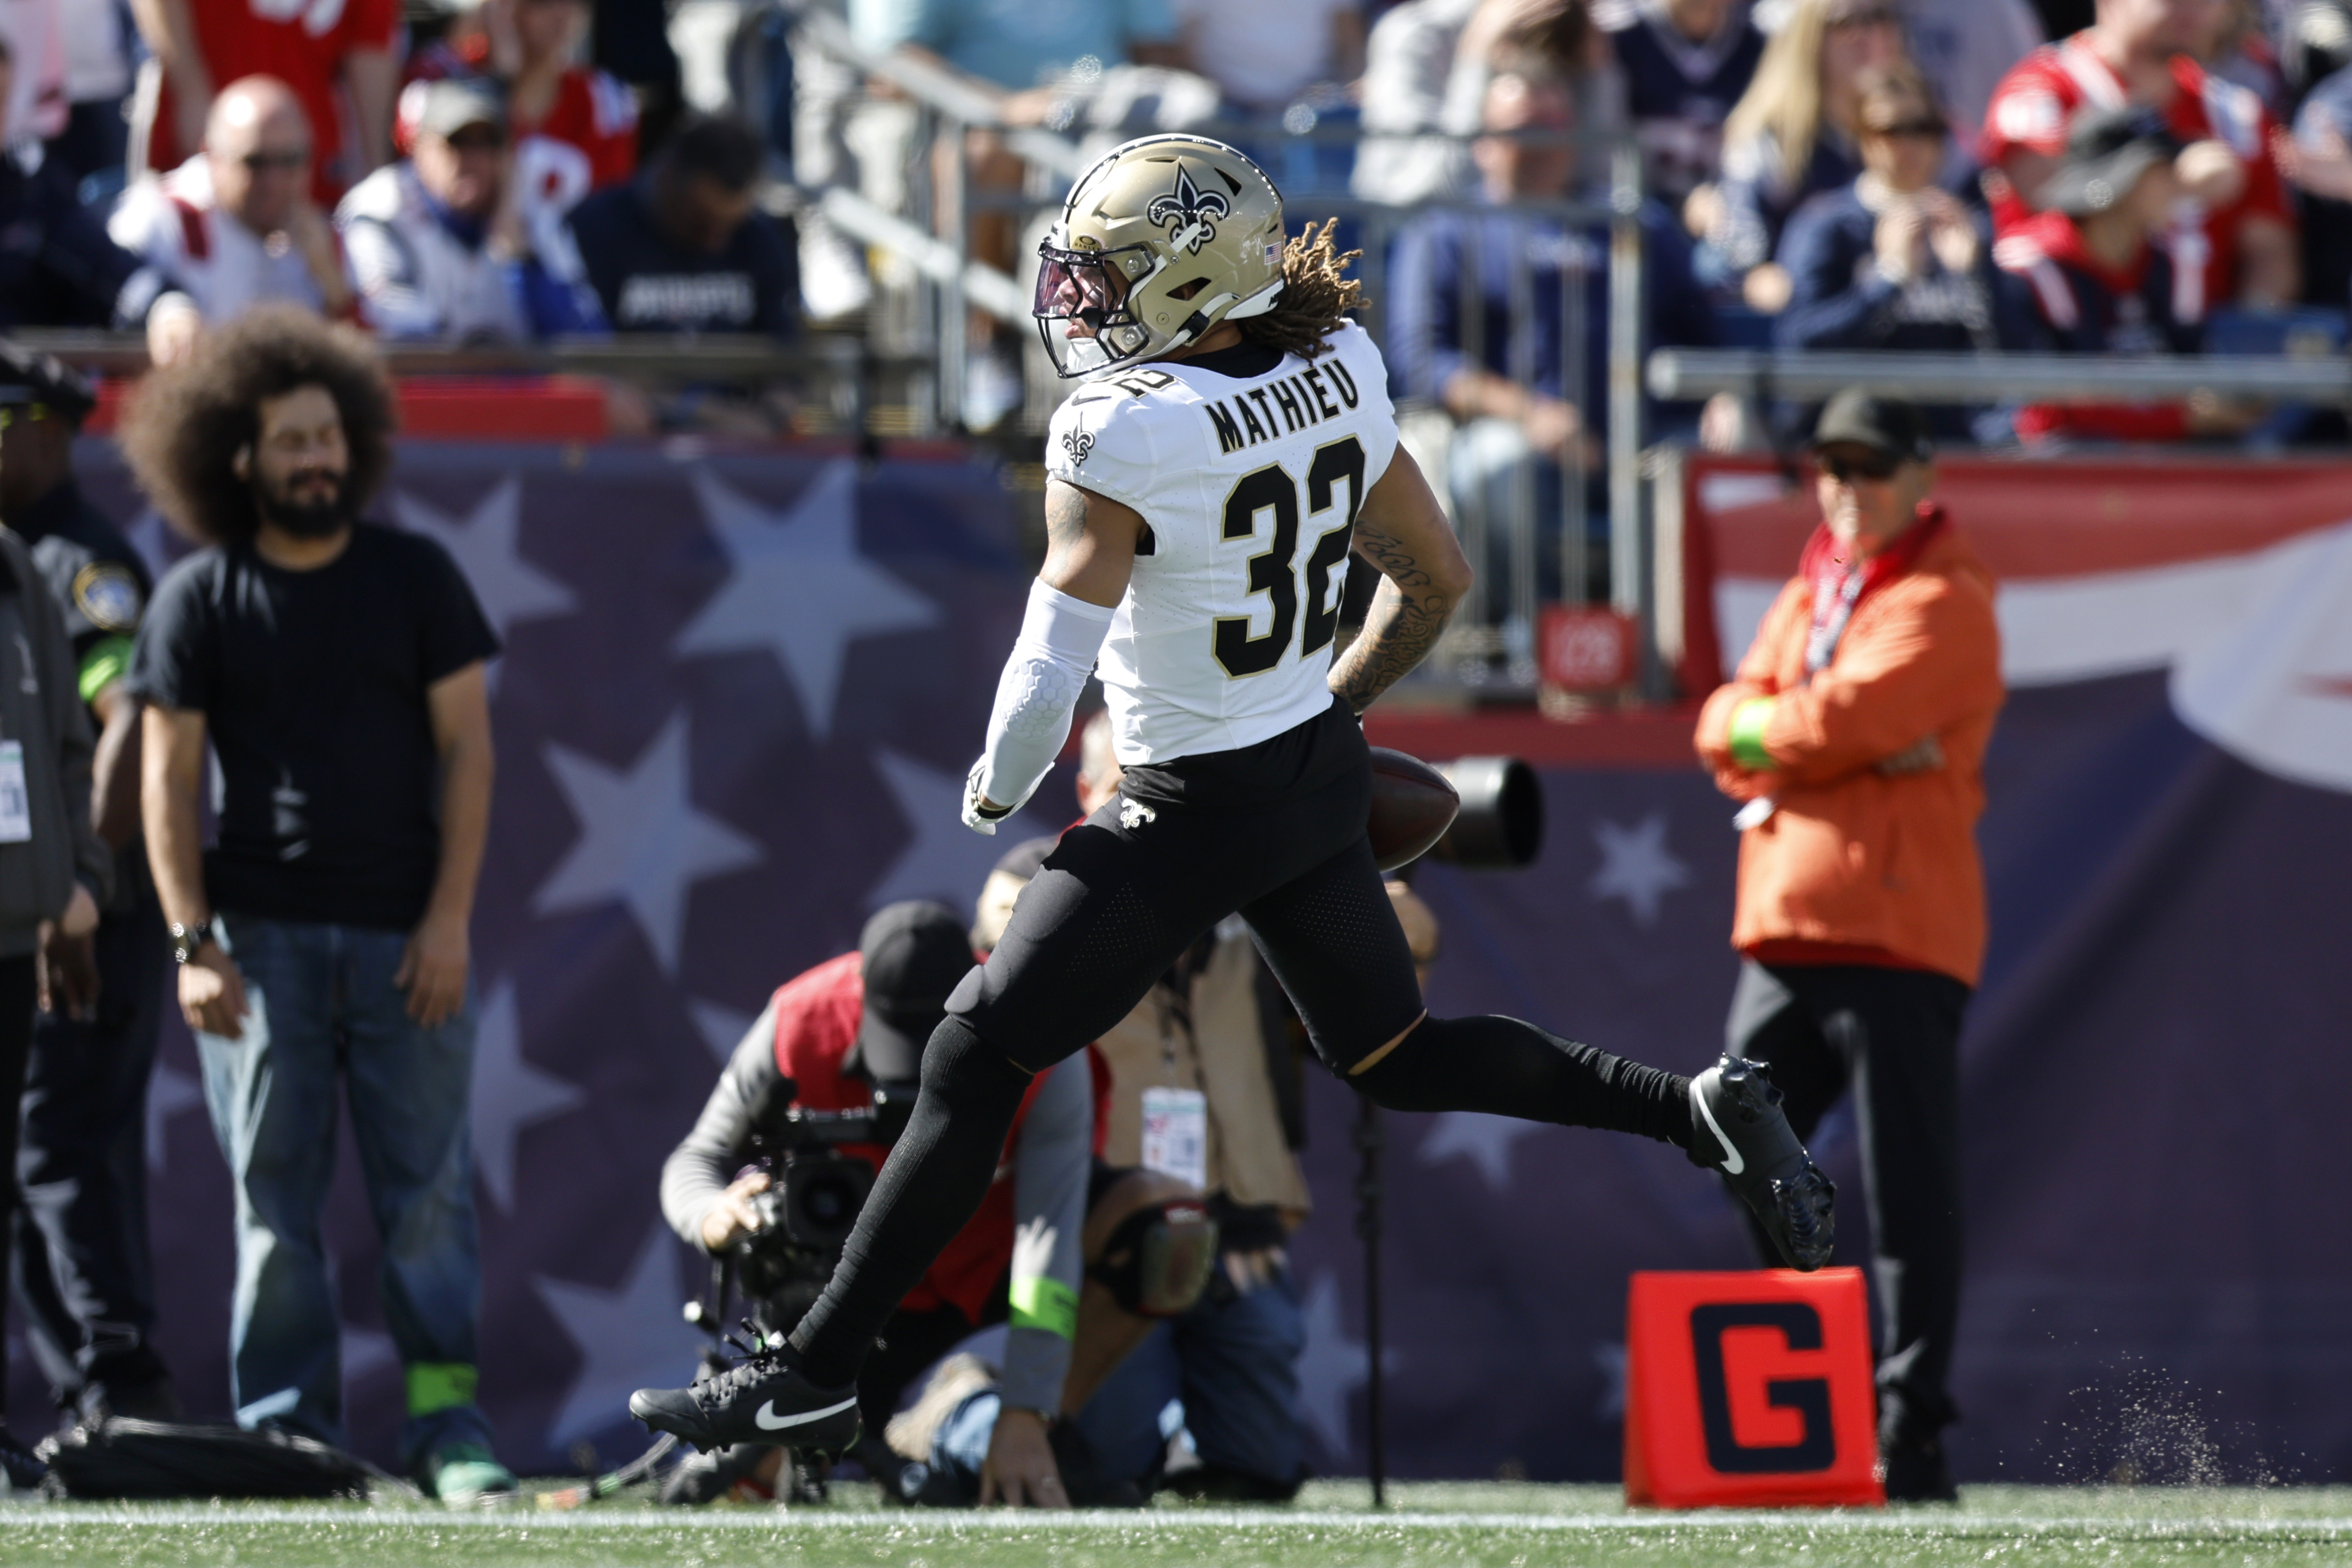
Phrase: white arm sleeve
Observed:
(1051, 660)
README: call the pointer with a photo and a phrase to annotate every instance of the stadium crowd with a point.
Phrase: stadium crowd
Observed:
(1901, 174)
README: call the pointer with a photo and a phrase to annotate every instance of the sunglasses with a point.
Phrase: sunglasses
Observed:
(1925, 129)
(479, 139)
(1878, 467)
(287, 162)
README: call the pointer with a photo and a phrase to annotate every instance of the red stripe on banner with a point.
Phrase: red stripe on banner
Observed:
(1650, 738)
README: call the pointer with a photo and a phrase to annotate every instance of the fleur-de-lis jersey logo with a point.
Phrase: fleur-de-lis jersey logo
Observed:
(1188, 210)
(1078, 441)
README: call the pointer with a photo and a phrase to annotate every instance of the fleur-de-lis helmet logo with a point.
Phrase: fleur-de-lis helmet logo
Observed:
(1188, 210)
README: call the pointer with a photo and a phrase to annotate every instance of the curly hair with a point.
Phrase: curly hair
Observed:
(1317, 295)
(185, 424)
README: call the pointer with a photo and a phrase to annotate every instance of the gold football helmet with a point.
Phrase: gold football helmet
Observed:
(1162, 239)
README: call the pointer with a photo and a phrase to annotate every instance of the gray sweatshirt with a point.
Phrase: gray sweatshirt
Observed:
(1050, 1167)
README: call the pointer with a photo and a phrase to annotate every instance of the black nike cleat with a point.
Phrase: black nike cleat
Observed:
(763, 1399)
(1738, 1128)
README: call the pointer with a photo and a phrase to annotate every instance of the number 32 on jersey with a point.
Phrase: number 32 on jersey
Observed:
(1275, 573)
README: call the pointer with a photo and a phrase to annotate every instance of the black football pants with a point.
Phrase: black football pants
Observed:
(1123, 895)
(83, 1271)
(1893, 1035)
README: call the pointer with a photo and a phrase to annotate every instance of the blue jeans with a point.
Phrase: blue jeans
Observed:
(320, 1000)
(1233, 1365)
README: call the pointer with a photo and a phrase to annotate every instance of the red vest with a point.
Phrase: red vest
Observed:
(817, 1016)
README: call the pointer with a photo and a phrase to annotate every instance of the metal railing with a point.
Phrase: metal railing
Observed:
(1992, 379)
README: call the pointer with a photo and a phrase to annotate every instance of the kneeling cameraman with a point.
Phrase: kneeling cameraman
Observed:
(847, 1035)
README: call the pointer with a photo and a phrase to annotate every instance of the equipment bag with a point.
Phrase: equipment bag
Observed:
(125, 1458)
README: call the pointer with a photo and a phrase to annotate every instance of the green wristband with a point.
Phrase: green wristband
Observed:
(1041, 1301)
(1748, 722)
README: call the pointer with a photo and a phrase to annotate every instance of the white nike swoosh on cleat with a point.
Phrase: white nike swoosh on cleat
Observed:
(1732, 1163)
(766, 1420)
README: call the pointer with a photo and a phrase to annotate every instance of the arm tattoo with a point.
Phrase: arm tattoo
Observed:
(1065, 520)
(1407, 616)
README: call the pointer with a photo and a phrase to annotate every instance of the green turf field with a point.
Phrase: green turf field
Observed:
(1521, 1526)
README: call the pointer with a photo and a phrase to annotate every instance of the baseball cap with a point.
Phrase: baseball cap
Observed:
(2107, 151)
(27, 378)
(444, 106)
(911, 955)
(1862, 419)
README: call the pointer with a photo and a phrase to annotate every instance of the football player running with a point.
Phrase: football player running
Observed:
(1230, 444)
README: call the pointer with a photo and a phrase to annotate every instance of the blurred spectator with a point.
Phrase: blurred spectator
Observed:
(335, 56)
(2319, 163)
(232, 226)
(1023, 50)
(58, 268)
(335, 668)
(84, 1275)
(1686, 62)
(1853, 735)
(1407, 61)
(1892, 261)
(1479, 308)
(1966, 47)
(2101, 281)
(434, 240)
(2237, 49)
(34, 33)
(1263, 57)
(684, 247)
(2234, 236)
(1791, 137)
(54, 871)
(574, 128)
(1206, 1056)
(98, 79)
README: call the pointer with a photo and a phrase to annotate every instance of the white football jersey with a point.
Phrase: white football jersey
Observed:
(1250, 485)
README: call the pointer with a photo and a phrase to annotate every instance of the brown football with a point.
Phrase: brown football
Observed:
(1413, 806)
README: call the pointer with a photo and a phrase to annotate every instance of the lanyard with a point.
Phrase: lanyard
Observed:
(1829, 620)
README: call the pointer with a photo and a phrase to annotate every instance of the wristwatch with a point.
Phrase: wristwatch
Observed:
(187, 940)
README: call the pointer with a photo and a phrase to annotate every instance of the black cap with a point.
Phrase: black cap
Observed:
(29, 377)
(911, 955)
(1860, 418)
(2108, 150)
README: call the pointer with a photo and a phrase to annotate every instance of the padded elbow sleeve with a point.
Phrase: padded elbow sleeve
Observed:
(1054, 653)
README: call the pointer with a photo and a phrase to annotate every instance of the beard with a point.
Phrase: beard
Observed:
(319, 518)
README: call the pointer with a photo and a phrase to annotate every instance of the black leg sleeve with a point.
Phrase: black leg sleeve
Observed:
(928, 1188)
(1505, 1068)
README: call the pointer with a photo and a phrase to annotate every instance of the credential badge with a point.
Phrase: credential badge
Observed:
(1187, 210)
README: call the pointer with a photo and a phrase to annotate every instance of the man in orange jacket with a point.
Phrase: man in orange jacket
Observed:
(1855, 732)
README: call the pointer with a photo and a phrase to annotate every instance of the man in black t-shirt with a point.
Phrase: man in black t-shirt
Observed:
(83, 1266)
(684, 247)
(336, 667)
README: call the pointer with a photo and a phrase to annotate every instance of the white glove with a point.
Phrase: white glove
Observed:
(974, 817)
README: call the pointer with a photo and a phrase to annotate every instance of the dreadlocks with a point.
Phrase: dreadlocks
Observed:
(1316, 295)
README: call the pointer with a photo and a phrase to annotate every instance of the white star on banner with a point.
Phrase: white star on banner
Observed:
(1485, 1139)
(630, 1337)
(1331, 1367)
(721, 1028)
(509, 1092)
(169, 1093)
(1636, 865)
(486, 549)
(799, 587)
(946, 861)
(642, 841)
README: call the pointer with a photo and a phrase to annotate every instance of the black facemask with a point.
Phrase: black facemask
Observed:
(305, 519)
